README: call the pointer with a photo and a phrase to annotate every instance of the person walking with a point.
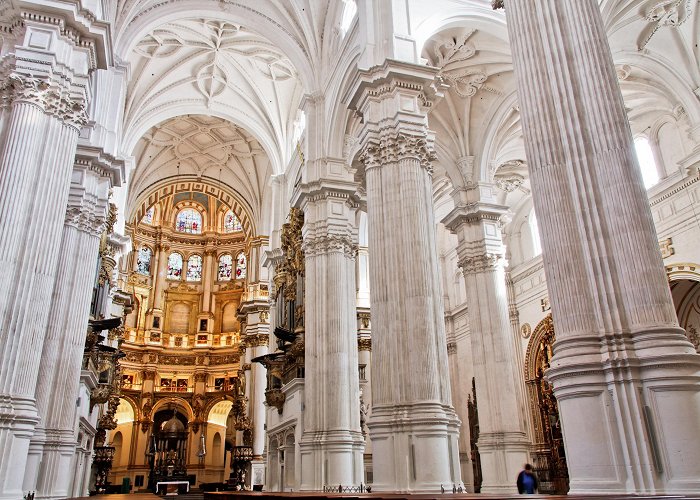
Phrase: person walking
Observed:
(527, 481)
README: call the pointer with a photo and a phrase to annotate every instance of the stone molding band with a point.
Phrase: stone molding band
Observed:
(53, 99)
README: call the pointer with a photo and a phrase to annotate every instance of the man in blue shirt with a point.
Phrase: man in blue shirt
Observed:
(527, 481)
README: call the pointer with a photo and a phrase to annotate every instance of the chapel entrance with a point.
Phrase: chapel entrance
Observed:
(549, 458)
(685, 290)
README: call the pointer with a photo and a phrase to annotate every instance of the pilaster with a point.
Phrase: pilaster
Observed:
(625, 376)
(413, 425)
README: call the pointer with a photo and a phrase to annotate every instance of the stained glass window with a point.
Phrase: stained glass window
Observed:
(174, 266)
(189, 220)
(241, 266)
(225, 267)
(231, 222)
(194, 268)
(148, 216)
(143, 264)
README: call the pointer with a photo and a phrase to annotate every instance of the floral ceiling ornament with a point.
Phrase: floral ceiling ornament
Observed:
(672, 13)
(510, 176)
(454, 50)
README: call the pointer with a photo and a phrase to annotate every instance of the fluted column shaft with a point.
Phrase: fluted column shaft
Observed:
(35, 165)
(413, 426)
(503, 446)
(331, 444)
(624, 374)
(59, 373)
(208, 266)
(159, 280)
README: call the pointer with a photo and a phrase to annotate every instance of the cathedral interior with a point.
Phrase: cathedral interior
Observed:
(349, 245)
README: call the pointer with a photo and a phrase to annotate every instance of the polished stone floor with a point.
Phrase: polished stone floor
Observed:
(388, 496)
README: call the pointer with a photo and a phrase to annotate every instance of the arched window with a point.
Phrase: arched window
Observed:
(174, 266)
(148, 216)
(647, 163)
(194, 268)
(231, 223)
(535, 229)
(241, 266)
(225, 267)
(349, 12)
(143, 264)
(189, 220)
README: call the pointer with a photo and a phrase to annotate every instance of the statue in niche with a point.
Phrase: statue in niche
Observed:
(364, 408)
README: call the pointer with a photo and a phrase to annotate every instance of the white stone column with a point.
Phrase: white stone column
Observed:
(35, 166)
(331, 444)
(54, 442)
(413, 426)
(625, 376)
(503, 445)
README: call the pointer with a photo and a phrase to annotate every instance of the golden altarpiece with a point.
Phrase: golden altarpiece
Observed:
(183, 401)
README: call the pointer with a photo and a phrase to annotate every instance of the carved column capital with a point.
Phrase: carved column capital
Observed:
(53, 99)
(364, 344)
(329, 243)
(473, 264)
(397, 147)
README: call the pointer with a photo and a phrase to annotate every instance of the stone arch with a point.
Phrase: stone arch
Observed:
(177, 403)
(166, 188)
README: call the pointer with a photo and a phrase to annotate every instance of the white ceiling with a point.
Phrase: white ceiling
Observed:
(203, 147)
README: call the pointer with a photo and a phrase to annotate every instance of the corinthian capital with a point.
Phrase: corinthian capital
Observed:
(85, 219)
(54, 99)
(397, 147)
(329, 243)
(481, 263)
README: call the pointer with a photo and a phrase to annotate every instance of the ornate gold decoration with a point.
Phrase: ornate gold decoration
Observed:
(526, 330)
(200, 377)
(546, 306)
(275, 398)
(666, 247)
(364, 320)
(364, 344)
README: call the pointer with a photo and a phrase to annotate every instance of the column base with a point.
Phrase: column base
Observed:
(631, 417)
(53, 481)
(502, 455)
(415, 448)
(257, 472)
(18, 419)
(331, 458)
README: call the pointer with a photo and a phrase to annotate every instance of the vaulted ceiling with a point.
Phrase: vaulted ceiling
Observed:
(204, 66)
(199, 146)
